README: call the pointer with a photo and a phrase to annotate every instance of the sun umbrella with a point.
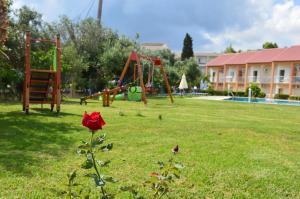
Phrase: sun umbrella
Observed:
(183, 84)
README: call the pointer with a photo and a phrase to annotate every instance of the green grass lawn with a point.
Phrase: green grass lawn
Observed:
(230, 150)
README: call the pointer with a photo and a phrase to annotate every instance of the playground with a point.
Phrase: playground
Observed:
(88, 110)
(251, 152)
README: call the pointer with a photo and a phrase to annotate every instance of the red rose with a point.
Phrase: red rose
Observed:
(94, 121)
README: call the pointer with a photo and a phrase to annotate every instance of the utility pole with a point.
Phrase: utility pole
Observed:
(100, 11)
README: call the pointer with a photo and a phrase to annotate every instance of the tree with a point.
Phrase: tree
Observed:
(230, 49)
(190, 68)
(3, 20)
(267, 45)
(193, 73)
(187, 50)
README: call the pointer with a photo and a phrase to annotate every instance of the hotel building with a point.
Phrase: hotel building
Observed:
(276, 71)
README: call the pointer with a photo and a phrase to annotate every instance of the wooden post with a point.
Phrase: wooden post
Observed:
(237, 78)
(105, 97)
(122, 75)
(217, 87)
(246, 77)
(58, 96)
(140, 73)
(272, 80)
(291, 78)
(166, 82)
(27, 73)
(225, 75)
(134, 73)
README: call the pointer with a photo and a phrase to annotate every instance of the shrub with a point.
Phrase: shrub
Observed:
(220, 93)
(210, 90)
(239, 94)
(281, 96)
(255, 90)
(294, 98)
(262, 95)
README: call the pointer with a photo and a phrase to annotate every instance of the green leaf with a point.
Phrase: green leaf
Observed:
(72, 176)
(98, 181)
(176, 173)
(87, 164)
(161, 164)
(107, 147)
(178, 165)
(110, 179)
(103, 163)
(99, 140)
(84, 145)
(108, 196)
(81, 151)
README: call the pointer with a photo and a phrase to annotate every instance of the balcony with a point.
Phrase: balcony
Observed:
(253, 79)
(259, 79)
(296, 79)
(281, 79)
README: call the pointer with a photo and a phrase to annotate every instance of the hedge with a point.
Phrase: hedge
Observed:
(281, 96)
(294, 98)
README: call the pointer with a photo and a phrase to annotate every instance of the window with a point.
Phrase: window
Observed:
(281, 75)
(255, 74)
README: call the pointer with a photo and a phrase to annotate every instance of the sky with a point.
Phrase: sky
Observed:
(213, 24)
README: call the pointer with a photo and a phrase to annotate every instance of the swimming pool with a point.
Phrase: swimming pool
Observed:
(264, 101)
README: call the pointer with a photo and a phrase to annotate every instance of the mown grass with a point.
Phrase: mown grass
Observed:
(230, 150)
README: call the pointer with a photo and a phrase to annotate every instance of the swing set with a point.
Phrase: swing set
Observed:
(135, 59)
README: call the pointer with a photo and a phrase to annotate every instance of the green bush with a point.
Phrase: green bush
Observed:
(255, 90)
(281, 96)
(294, 98)
(239, 94)
(262, 95)
(210, 90)
(220, 93)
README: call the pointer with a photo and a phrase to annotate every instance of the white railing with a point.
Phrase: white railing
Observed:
(281, 79)
(253, 79)
(241, 79)
(296, 79)
(230, 79)
(259, 79)
(265, 79)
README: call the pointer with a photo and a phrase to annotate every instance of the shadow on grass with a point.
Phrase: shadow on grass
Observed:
(27, 141)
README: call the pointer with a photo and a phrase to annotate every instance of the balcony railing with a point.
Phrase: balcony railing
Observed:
(296, 79)
(257, 79)
(282, 79)
(254, 79)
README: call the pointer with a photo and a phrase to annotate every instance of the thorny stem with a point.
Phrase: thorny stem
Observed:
(94, 163)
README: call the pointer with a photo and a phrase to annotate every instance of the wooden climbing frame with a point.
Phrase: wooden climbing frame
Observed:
(37, 82)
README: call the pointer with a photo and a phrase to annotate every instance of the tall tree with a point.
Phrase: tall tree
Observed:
(187, 50)
(267, 45)
(3, 20)
(230, 49)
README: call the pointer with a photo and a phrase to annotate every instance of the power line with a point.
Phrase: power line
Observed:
(88, 12)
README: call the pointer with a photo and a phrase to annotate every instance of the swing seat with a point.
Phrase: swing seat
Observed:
(151, 90)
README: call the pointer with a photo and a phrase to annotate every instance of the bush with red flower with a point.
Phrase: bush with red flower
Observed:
(159, 182)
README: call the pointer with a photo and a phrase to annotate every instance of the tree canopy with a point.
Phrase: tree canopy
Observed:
(230, 49)
(187, 50)
(91, 55)
(267, 45)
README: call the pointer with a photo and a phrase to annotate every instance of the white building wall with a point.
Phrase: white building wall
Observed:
(286, 77)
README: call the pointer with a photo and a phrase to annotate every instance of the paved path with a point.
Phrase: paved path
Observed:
(212, 97)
